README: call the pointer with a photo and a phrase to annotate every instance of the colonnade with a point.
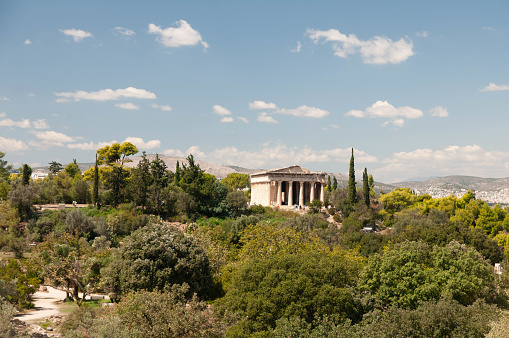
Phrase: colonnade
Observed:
(285, 192)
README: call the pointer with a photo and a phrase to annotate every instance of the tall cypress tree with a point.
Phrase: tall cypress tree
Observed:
(96, 182)
(334, 183)
(27, 171)
(177, 174)
(328, 186)
(365, 187)
(352, 191)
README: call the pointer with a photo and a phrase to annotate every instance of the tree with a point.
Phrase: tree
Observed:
(237, 181)
(4, 168)
(411, 272)
(22, 198)
(27, 171)
(140, 182)
(96, 183)
(365, 187)
(72, 169)
(54, 167)
(158, 181)
(328, 185)
(371, 183)
(352, 191)
(157, 257)
(334, 183)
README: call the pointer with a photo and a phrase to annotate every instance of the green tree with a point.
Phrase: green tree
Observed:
(371, 183)
(140, 182)
(334, 183)
(22, 197)
(410, 272)
(328, 186)
(159, 179)
(365, 187)
(157, 257)
(27, 171)
(352, 190)
(23, 279)
(72, 169)
(237, 181)
(4, 168)
(95, 197)
(54, 167)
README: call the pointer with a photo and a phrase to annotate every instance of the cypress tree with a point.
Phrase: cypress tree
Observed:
(328, 186)
(96, 183)
(365, 187)
(352, 191)
(27, 171)
(334, 183)
(177, 174)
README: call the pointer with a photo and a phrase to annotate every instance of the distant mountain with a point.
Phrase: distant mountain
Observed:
(459, 182)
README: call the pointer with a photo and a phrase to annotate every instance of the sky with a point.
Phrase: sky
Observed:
(417, 88)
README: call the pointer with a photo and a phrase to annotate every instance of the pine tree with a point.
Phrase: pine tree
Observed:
(352, 191)
(96, 182)
(334, 183)
(365, 187)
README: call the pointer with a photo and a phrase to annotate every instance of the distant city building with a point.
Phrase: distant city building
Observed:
(287, 187)
(38, 174)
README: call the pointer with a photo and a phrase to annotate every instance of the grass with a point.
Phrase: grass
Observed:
(69, 306)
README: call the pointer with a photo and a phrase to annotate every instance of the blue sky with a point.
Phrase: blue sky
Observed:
(418, 89)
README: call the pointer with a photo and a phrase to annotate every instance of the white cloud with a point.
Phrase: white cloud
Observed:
(3, 98)
(50, 138)
(452, 160)
(439, 111)
(384, 109)
(243, 119)
(105, 95)
(181, 35)
(423, 34)
(304, 111)
(27, 42)
(40, 124)
(264, 117)
(124, 31)
(226, 119)
(377, 50)
(10, 144)
(90, 145)
(161, 107)
(272, 155)
(173, 152)
(127, 105)
(3, 114)
(494, 88)
(77, 34)
(219, 110)
(298, 48)
(260, 105)
(334, 126)
(31, 94)
(138, 142)
(23, 123)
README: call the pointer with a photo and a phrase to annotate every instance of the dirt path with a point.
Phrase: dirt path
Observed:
(45, 305)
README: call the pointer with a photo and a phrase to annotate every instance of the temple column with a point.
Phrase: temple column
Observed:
(301, 194)
(279, 193)
(312, 195)
(322, 193)
(290, 193)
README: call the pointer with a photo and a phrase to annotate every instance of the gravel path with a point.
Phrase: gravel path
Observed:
(45, 305)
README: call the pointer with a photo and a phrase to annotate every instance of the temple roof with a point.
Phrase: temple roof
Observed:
(294, 169)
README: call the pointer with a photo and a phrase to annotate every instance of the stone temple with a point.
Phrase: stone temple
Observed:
(287, 187)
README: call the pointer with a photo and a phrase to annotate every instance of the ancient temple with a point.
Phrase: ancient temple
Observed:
(287, 186)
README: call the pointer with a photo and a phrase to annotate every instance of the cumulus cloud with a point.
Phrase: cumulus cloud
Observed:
(138, 142)
(50, 138)
(377, 50)
(124, 31)
(452, 160)
(173, 152)
(266, 118)
(243, 119)
(180, 35)
(494, 88)
(3, 98)
(77, 34)
(298, 48)
(40, 124)
(105, 95)
(127, 105)
(10, 144)
(219, 110)
(260, 105)
(439, 111)
(383, 109)
(272, 155)
(89, 145)
(226, 119)
(23, 123)
(161, 107)
(304, 111)
(27, 42)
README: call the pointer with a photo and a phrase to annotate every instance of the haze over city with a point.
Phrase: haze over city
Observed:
(417, 89)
